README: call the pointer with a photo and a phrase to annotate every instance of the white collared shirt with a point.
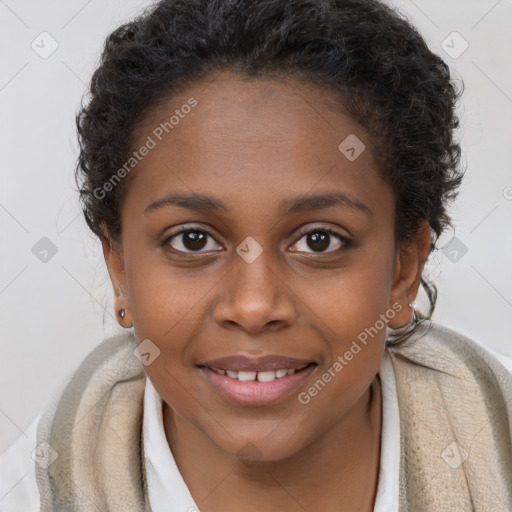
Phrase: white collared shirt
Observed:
(167, 490)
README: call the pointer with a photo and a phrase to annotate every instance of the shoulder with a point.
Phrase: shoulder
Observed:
(119, 346)
(113, 361)
(455, 400)
(18, 486)
(450, 364)
(111, 358)
(446, 350)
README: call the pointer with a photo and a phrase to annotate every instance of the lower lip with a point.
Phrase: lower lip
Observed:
(255, 392)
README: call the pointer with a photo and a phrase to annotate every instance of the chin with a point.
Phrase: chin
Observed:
(250, 452)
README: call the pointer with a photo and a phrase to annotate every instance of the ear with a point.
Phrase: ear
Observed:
(410, 260)
(115, 265)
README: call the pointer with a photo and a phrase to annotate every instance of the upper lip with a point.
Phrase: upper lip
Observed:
(244, 363)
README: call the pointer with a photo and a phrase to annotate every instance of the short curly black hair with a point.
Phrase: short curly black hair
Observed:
(362, 50)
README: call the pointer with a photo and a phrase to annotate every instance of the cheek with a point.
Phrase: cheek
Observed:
(169, 306)
(163, 298)
(166, 309)
(354, 309)
(353, 324)
(354, 297)
(353, 320)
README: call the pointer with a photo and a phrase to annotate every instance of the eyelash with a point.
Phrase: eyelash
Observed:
(346, 242)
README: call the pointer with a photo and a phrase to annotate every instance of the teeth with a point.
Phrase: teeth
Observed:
(267, 376)
(262, 376)
(246, 375)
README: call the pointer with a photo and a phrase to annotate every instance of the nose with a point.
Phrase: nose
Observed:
(255, 297)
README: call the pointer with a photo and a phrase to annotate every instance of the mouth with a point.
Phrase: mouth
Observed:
(259, 376)
(261, 387)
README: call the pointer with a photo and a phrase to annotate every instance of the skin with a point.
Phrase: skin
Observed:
(252, 144)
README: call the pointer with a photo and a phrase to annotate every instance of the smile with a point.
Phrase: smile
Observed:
(256, 388)
(260, 376)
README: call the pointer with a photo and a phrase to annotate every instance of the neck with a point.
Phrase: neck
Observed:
(337, 471)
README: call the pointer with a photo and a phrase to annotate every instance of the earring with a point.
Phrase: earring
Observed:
(121, 313)
(415, 318)
(409, 325)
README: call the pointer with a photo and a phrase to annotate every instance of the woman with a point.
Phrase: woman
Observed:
(267, 180)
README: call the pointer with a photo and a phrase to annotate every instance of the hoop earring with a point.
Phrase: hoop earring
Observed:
(409, 325)
(415, 318)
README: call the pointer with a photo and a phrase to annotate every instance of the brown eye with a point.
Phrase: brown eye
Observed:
(190, 240)
(320, 239)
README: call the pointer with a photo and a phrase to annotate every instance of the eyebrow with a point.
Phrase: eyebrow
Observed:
(289, 206)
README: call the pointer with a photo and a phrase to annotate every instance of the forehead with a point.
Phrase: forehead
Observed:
(263, 139)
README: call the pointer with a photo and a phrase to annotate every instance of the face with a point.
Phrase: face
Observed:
(246, 231)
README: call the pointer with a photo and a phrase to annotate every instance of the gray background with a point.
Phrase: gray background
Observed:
(53, 313)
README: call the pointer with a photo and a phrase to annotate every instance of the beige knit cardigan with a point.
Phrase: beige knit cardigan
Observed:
(455, 404)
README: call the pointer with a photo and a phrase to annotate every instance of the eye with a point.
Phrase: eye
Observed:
(190, 240)
(319, 239)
